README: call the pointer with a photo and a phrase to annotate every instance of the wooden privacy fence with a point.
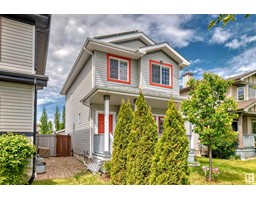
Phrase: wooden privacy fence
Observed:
(63, 147)
(59, 145)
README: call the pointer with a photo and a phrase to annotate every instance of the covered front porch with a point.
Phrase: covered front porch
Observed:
(105, 106)
(245, 125)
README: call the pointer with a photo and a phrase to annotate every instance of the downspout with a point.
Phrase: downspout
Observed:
(34, 134)
(90, 107)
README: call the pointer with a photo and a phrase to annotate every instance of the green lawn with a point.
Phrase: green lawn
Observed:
(232, 172)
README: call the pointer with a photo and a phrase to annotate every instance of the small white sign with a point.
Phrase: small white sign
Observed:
(249, 178)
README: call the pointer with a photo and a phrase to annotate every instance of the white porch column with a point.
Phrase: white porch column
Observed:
(240, 131)
(106, 124)
(192, 143)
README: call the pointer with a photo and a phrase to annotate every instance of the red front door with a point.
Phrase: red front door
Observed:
(101, 124)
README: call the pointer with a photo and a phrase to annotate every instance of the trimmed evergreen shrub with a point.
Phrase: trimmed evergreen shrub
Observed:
(119, 154)
(169, 166)
(15, 151)
(142, 141)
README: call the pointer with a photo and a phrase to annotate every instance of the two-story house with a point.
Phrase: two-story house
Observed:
(243, 90)
(108, 69)
(24, 42)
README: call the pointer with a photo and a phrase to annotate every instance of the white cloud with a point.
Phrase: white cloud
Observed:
(196, 61)
(244, 41)
(220, 35)
(242, 63)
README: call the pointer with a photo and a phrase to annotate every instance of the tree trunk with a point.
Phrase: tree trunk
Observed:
(210, 163)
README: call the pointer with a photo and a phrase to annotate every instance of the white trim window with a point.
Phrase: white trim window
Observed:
(240, 93)
(160, 74)
(118, 69)
(252, 92)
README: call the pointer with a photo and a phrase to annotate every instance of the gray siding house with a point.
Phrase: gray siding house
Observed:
(243, 91)
(111, 68)
(23, 51)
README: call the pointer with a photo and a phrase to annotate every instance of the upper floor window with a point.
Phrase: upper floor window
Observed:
(240, 93)
(252, 92)
(118, 69)
(160, 74)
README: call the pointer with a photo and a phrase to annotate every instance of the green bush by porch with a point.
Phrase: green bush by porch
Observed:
(142, 141)
(119, 155)
(170, 166)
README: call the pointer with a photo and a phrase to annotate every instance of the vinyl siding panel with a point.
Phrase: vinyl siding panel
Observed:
(80, 131)
(17, 46)
(16, 107)
(134, 44)
(159, 56)
(101, 72)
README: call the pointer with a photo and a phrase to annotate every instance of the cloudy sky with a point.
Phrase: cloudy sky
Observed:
(227, 52)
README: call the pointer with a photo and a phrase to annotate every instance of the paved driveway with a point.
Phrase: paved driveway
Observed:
(60, 167)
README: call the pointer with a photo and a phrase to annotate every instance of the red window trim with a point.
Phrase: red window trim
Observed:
(150, 73)
(108, 69)
(159, 117)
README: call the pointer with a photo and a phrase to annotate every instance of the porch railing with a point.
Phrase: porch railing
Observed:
(249, 140)
(99, 143)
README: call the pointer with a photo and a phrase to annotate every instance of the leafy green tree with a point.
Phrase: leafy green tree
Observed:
(121, 134)
(62, 124)
(15, 151)
(142, 141)
(225, 19)
(170, 165)
(57, 119)
(211, 112)
(50, 129)
(44, 122)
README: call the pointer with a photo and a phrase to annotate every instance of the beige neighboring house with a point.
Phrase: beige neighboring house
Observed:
(108, 69)
(243, 91)
(24, 42)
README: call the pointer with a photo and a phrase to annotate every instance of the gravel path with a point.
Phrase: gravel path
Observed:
(60, 167)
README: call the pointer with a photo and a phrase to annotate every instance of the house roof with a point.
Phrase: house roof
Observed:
(125, 36)
(104, 45)
(242, 76)
(245, 105)
(42, 22)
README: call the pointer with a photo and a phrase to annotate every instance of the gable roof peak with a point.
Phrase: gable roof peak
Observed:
(115, 34)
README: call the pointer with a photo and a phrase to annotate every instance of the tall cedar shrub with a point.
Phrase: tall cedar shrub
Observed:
(57, 118)
(142, 141)
(119, 155)
(15, 151)
(44, 128)
(170, 166)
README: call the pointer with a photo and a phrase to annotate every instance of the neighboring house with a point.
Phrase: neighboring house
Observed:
(111, 68)
(243, 91)
(23, 51)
